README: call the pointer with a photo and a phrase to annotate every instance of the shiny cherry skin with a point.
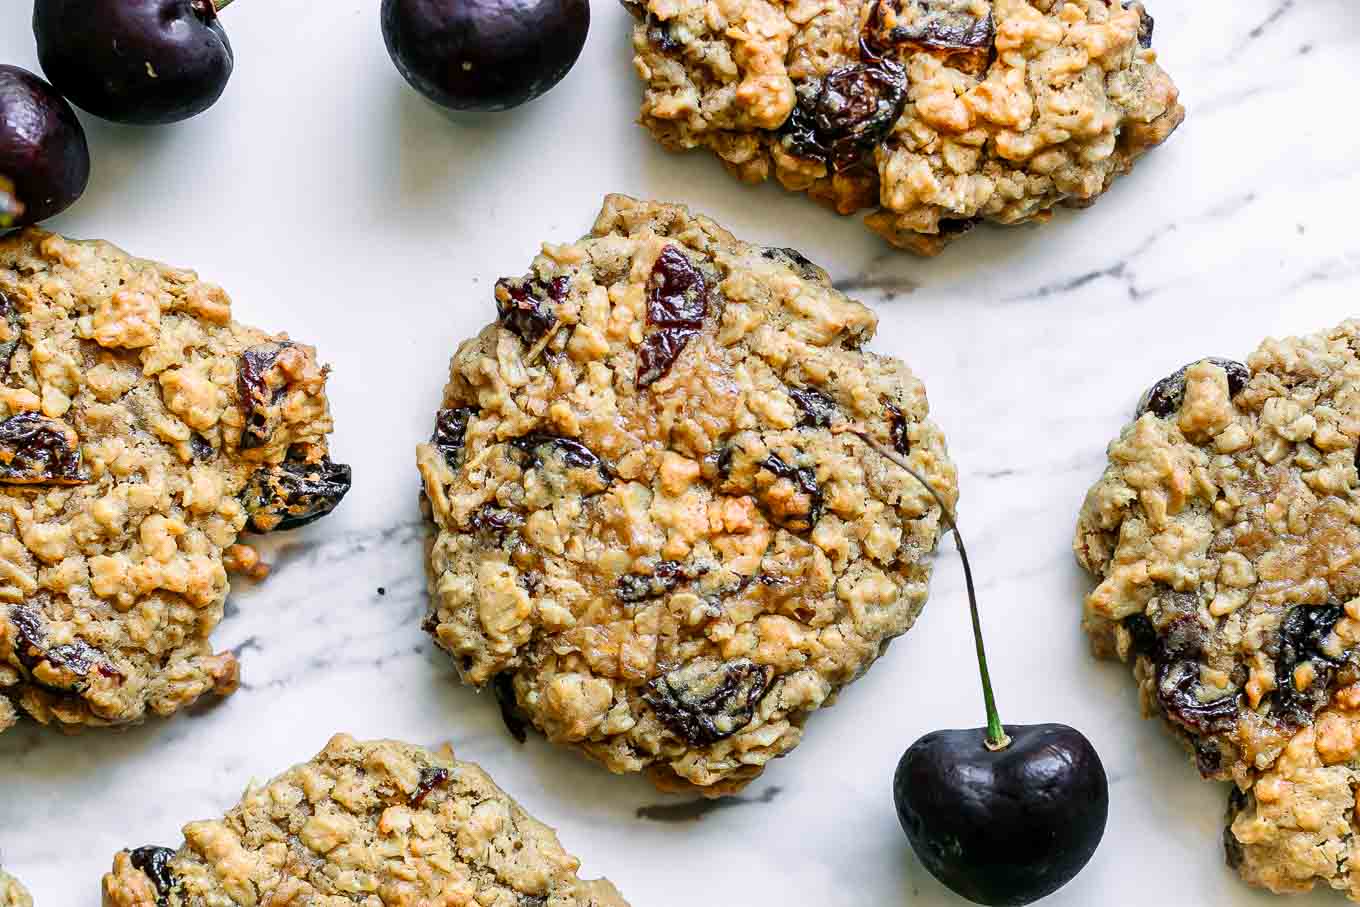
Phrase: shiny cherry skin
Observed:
(484, 54)
(1003, 828)
(44, 160)
(142, 62)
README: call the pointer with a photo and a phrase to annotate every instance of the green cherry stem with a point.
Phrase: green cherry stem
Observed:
(220, 5)
(997, 739)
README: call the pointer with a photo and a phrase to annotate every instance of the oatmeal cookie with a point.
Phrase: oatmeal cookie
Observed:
(1225, 535)
(934, 115)
(12, 894)
(141, 431)
(649, 535)
(380, 823)
(1296, 825)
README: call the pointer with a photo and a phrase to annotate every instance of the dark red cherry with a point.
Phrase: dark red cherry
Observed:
(484, 54)
(1003, 827)
(44, 161)
(143, 62)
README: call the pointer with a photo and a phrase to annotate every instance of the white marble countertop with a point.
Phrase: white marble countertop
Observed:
(334, 203)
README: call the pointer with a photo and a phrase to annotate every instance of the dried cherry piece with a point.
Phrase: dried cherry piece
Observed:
(658, 31)
(450, 432)
(705, 700)
(29, 625)
(201, 448)
(1302, 634)
(957, 36)
(527, 307)
(154, 862)
(516, 722)
(493, 519)
(1142, 633)
(1178, 658)
(805, 477)
(898, 430)
(36, 450)
(9, 312)
(294, 493)
(1146, 24)
(677, 296)
(573, 453)
(796, 260)
(951, 228)
(658, 353)
(1232, 848)
(431, 776)
(1166, 396)
(1208, 757)
(818, 409)
(260, 385)
(637, 587)
(854, 109)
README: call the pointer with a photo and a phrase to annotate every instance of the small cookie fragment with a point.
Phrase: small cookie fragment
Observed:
(648, 534)
(934, 116)
(1224, 536)
(12, 894)
(141, 432)
(380, 823)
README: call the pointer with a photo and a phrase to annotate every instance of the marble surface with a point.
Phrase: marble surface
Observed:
(333, 202)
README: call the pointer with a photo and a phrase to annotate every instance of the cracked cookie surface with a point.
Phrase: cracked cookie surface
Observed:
(12, 894)
(141, 431)
(1224, 534)
(649, 535)
(933, 116)
(377, 823)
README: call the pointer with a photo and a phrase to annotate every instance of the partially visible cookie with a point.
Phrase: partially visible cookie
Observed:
(1225, 536)
(379, 823)
(141, 432)
(12, 894)
(934, 116)
(650, 535)
(1296, 826)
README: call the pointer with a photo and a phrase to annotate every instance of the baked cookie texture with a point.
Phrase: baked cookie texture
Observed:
(141, 432)
(1225, 534)
(934, 116)
(651, 533)
(382, 823)
(12, 894)
(1295, 826)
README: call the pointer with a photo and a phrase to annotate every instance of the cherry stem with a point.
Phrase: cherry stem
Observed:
(220, 5)
(997, 739)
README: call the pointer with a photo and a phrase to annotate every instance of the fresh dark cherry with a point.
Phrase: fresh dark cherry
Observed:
(1002, 815)
(484, 54)
(143, 62)
(44, 160)
(1005, 827)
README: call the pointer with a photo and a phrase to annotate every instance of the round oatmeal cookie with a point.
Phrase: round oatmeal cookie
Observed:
(1296, 825)
(12, 894)
(654, 534)
(384, 824)
(933, 115)
(1225, 534)
(141, 431)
